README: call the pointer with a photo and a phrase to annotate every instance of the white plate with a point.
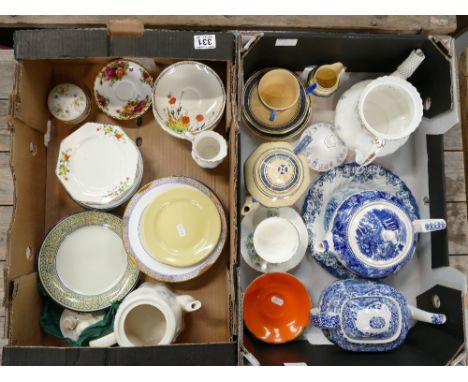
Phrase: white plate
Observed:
(188, 98)
(251, 220)
(97, 164)
(146, 262)
(122, 89)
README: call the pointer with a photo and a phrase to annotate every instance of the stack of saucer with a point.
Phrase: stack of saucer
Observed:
(286, 124)
(99, 166)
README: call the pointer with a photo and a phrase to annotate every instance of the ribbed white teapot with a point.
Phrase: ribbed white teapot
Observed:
(375, 118)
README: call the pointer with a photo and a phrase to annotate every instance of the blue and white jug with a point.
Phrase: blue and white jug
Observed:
(371, 232)
(366, 316)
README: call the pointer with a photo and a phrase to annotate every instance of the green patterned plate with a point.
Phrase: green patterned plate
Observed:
(82, 262)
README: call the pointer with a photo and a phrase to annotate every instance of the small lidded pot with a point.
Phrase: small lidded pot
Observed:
(365, 316)
(69, 103)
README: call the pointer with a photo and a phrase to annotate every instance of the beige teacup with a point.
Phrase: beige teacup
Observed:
(278, 90)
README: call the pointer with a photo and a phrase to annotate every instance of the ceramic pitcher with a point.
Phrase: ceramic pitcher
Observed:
(323, 80)
(371, 233)
(151, 315)
(365, 316)
(376, 117)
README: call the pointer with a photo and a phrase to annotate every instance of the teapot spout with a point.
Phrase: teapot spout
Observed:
(188, 303)
(421, 315)
(409, 66)
(322, 246)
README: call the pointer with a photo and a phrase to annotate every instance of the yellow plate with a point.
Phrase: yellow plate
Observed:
(180, 227)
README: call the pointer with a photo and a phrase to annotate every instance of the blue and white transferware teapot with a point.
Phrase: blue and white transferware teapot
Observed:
(366, 316)
(371, 232)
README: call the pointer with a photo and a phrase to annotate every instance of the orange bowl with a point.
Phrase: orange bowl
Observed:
(276, 308)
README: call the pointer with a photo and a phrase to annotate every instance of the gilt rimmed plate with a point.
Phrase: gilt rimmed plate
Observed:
(314, 211)
(145, 261)
(82, 263)
(188, 98)
(97, 164)
(123, 89)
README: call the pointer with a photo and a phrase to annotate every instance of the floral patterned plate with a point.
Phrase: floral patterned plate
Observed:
(188, 98)
(82, 263)
(97, 164)
(123, 89)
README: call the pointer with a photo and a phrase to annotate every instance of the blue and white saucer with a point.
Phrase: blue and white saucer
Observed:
(348, 175)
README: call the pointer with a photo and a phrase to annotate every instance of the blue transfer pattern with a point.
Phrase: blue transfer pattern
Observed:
(369, 235)
(289, 165)
(438, 319)
(355, 175)
(350, 296)
(435, 226)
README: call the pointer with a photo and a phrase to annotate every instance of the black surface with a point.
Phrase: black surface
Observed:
(170, 355)
(437, 206)
(426, 344)
(359, 52)
(72, 43)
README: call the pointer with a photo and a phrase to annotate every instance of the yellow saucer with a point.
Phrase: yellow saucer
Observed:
(180, 227)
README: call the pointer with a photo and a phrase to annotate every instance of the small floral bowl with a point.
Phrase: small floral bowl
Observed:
(69, 103)
(122, 89)
(188, 98)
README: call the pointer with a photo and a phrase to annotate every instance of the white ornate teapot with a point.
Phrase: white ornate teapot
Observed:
(150, 315)
(371, 232)
(365, 316)
(374, 118)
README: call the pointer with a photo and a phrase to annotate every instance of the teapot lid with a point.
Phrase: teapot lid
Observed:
(379, 233)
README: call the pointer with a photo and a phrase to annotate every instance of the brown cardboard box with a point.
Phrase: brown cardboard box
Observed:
(41, 201)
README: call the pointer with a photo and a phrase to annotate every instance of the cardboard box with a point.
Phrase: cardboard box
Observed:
(45, 59)
(419, 163)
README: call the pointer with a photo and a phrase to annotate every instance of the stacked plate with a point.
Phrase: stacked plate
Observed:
(99, 166)
(287, 124)
(174, 228)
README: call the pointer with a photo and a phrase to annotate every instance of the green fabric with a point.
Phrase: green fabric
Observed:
(50, 323)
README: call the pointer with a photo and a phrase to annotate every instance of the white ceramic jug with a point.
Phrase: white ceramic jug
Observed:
(374, 118)
(149, 316)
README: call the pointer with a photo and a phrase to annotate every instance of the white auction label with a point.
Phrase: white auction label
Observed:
(206, 41)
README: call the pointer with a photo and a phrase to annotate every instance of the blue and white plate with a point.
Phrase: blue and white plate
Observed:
(348, 175)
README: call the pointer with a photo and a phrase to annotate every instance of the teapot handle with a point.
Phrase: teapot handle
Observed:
(324, 322)
(421, 315)
(429, 225)
(363, 160)
(104, 342)
(409, 66)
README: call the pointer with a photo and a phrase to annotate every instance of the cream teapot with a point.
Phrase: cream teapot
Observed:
(375, 118)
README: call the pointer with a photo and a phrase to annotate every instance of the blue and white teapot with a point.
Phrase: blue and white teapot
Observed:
(371, 232)
(366, 316)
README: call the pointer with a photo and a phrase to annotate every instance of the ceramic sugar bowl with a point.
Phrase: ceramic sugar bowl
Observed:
(371, 232)
(365, 316)
(151, 315)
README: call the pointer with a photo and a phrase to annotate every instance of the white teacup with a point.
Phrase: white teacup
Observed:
(209, 149)
(275, 240)
(149, 316)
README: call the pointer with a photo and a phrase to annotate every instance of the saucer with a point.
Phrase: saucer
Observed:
(325, 150)
(136, 249)
(373, 177)
(248, 224)
(275, 175)
(82, 263)
(258, 115)
(180, 227)
(68, 103)
(98, 164)
(123, 89)
(188, 98)
(276, 308)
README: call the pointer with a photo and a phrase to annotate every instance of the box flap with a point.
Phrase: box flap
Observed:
(55, 43)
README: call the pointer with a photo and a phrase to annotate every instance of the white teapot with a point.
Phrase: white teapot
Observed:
(149, 316)
(375, 118)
